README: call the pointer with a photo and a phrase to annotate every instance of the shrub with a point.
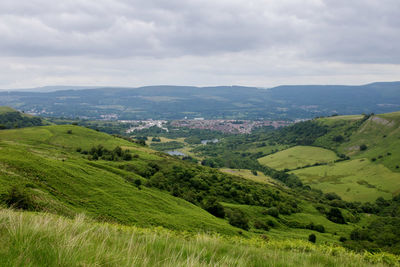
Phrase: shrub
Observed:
(19, 198)
(338, 138)
(321, 209)
(312, 238)
(319, 228)
(332, 196)
(273, 212)
(238, 219)
(261, 225)
(127, 156)
(336, 216)
(363, 147)
(271, 223)
(215, 208)
(138, 183)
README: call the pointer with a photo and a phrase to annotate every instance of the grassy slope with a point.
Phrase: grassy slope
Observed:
(354, 180)
(381, 133)
(6, 109)
(309, 214)
(247, 174)
(298, 156)
(65, 183)
(46, 240)
(360, 179)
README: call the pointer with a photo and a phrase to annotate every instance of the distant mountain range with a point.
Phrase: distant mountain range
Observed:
(227, 102)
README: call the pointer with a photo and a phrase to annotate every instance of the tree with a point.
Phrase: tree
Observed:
(273, 212)
(363, 147)
(138, 183)
(215, 208)
(238, 219)
(312, 238)
(338, 138)
(18, 197)
(336, 216)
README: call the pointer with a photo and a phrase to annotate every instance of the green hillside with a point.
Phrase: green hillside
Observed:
(353, 180)
(43, 160)
(369, 165)
(381, 135)
(298, 156)
(6, 110)
(11, 118)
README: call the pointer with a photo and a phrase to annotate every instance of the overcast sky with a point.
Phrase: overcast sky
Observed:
(198, 42)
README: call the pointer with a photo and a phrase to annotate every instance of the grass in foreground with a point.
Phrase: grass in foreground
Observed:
(30, 239)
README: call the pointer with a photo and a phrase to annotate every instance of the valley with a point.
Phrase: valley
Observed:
(281, 185)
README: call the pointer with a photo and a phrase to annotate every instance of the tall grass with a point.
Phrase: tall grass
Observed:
(29, 239)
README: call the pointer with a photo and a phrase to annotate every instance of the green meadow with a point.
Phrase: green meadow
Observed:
(354, 180)
(249, 175)
(298, 156)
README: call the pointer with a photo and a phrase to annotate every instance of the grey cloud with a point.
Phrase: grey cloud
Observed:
(348, 31)
(251, 41)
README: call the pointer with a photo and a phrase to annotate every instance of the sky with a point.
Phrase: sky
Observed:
(261, 43)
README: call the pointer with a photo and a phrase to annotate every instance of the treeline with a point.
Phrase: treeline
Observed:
(302, 133)
(100, 152)
(172, 145)
(11, 120)
(193, 135)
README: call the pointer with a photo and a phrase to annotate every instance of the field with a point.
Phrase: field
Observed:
(354, 180)
(247, 174)
(298, 156)
(48, 240)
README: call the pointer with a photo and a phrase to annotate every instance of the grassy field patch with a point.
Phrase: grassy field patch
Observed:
(354, 180)
(298, 156)
(249, 175)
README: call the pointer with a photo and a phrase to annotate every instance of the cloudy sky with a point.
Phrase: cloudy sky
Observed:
(198, 42)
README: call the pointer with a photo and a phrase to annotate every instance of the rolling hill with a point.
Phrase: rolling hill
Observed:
(227, 102)
(45, 162)
(11, 118)
(298, 157)
(371, 145)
